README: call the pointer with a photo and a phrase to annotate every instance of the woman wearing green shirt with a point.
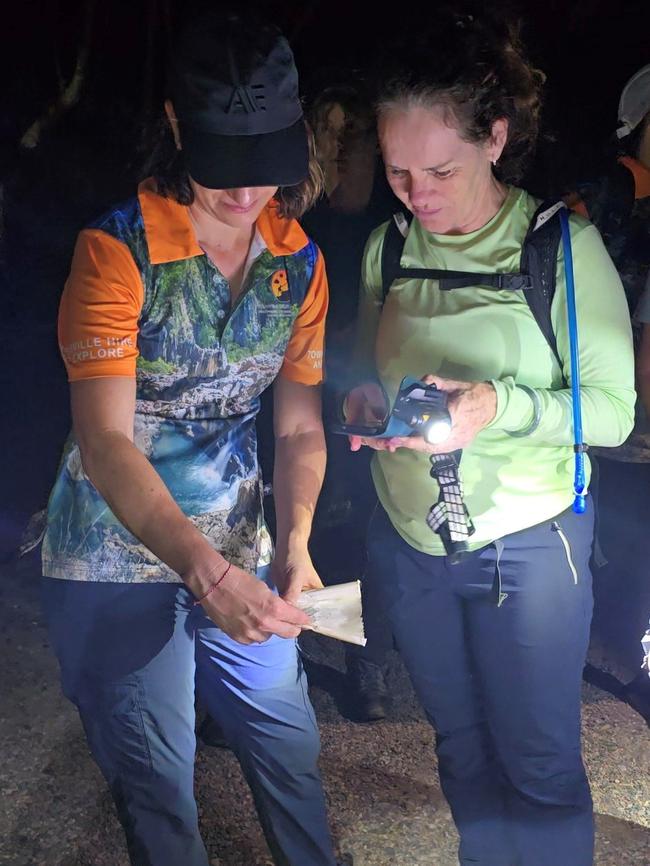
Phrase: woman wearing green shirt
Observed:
(495, 643)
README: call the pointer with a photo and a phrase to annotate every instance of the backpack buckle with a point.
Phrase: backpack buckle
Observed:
(520, 282)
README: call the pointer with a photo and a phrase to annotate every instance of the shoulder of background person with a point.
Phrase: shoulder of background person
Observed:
(606, 198)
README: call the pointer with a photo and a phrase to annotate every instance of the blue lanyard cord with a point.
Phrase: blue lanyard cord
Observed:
(579, 483)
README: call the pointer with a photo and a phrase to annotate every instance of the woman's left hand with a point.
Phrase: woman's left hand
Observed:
(472, 405)
(294, 572)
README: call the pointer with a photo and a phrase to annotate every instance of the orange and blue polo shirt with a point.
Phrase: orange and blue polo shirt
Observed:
(144, 301)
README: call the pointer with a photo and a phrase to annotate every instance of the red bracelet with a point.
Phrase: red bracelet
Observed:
(213, 586)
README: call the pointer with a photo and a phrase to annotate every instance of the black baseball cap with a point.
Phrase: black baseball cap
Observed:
(234, 87)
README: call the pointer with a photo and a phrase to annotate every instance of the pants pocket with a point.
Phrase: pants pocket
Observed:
(555, 527)
(114, 722)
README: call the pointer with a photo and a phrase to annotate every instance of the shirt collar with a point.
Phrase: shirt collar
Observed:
(171, 238)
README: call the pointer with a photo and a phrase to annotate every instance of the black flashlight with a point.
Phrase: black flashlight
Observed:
(423, 408)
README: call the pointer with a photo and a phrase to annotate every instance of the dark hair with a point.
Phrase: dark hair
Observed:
(166, 165)
(476, 72)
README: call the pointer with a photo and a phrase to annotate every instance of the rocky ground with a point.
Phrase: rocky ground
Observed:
(385, 803)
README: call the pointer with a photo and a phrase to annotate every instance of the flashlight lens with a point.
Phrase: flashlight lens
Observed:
(437, 431)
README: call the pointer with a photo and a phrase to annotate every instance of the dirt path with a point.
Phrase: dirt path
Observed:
(385, 802)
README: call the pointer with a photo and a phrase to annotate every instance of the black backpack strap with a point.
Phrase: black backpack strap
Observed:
(536, 277)
(449, 280)
(391, 253)
(539, 260)
(391, 268)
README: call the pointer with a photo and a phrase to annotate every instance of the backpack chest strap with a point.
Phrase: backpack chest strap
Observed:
(448, 280)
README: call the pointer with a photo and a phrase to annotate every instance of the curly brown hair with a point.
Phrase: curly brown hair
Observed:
(167, 166)
(476, 71)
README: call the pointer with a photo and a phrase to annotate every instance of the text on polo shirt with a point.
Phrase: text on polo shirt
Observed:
(96, 348)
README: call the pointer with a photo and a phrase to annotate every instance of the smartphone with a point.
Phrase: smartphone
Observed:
(391, 426)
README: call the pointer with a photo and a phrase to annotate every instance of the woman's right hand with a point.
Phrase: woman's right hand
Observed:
(244, 607)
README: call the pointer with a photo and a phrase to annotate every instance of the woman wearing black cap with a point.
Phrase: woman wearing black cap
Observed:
(182, 306)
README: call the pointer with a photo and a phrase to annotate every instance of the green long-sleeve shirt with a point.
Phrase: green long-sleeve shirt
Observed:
(478, 334)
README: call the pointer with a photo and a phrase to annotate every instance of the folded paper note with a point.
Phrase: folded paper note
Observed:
(335, 611)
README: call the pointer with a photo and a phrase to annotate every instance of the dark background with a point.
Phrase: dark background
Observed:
(90, 155)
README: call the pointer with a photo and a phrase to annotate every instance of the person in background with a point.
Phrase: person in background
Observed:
(183, 304)
(494, 638)
(642, 316)
(618, 203)
(637, 692)
(355, 200)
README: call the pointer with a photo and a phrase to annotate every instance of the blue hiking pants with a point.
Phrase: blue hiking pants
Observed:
(495, 646)
(130, 655)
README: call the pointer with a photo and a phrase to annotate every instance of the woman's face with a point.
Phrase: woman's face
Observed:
(327, 135)
(345, 143)
(447, 183)
(238, 208)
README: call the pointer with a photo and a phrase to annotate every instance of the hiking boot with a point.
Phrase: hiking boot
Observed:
(369, 692)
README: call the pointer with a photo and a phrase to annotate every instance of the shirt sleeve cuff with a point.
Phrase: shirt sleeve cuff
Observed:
(515, 407)
(301, 373)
